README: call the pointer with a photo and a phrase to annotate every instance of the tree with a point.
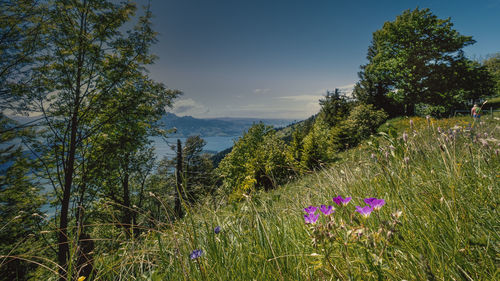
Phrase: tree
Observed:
(258, 160)
(86, 62)
(197, 169)
(334, 107)
(418, 58)
(492, 64)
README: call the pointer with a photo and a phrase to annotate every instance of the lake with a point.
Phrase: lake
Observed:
(214, 144)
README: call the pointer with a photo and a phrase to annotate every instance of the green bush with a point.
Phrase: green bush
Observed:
(363, 121)
(258, 160)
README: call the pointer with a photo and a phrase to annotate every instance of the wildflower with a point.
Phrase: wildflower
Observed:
(195, 254)
(327, 210)
(311, 218)
(217, 229)
(439, 130)
(338, 200)
(365, 211)
(311, 210)
(411, 124)
(406, 160)
(428, 119)
(375, 203)
(373, 157)
(405, 137)
(397, 214)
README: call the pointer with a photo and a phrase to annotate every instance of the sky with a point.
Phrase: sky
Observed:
(277, 58)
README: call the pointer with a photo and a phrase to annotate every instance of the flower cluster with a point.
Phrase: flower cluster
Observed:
(373, 204)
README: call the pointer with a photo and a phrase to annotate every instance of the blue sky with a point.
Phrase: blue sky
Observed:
(274, 58)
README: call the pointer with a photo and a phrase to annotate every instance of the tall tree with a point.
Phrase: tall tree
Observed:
(418, 58)
(86, 61)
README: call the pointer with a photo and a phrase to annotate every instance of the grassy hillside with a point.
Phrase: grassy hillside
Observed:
(440, 181)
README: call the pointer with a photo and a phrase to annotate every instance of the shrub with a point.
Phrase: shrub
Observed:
(258, 160)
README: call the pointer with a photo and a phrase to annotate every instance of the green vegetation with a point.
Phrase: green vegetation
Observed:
(121, 215)
(416, 65)
(442, 176)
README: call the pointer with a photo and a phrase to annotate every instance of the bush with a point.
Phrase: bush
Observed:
(258, 160)
(362, 122)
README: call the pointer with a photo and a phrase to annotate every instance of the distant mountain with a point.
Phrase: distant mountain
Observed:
(214, 127)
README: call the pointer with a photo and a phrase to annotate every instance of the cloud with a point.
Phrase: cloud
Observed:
(185, 107)
(302, 98)
(261, 91)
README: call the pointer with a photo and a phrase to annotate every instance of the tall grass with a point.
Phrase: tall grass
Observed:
(441, 185)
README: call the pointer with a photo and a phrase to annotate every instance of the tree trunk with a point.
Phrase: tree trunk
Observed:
(63, 247)
(178, 186)
(127, 215)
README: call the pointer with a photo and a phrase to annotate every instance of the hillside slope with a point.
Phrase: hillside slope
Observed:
(440, 183)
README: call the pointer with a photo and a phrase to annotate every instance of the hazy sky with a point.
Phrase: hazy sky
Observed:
(274, 58)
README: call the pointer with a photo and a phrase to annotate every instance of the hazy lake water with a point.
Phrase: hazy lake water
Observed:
(214, 144)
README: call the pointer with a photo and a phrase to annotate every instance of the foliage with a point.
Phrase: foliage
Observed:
(257, 160)
(22, 28)
(438, 221)
(334, 107)
(198, 170)
(317, 146)
(20, 203)
(418, 58)
(492, 64)
(363, 121)
(90, 73)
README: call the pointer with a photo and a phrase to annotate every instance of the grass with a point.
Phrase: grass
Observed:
(440, 222)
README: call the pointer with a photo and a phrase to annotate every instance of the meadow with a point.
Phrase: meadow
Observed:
(438, 220)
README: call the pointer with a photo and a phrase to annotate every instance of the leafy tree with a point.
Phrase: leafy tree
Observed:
(363, 121)
(492, 64)
(258, 160)
(334, 107)
(87, 61)
(317, 146)
(418, 58)
(198, 175)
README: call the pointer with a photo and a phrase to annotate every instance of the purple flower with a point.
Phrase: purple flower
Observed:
(405, 137)
(327, 210)
(195, 254)
(338, 200)
(311, 210)
(375, 203)
(311, 218)
(365, 211)
(217, 229)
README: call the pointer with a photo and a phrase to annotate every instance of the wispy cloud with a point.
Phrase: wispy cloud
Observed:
(261, 91)
(302, 98)
(189, 107)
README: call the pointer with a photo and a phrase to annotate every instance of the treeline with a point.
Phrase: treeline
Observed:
(80, 67)
(260, 159)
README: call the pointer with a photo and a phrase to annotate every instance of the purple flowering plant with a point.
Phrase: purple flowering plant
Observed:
(311, 218)
(340, 201)
(196, 254)
(364, 211)
(310, 210)
(327, 210)
(375, 203)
